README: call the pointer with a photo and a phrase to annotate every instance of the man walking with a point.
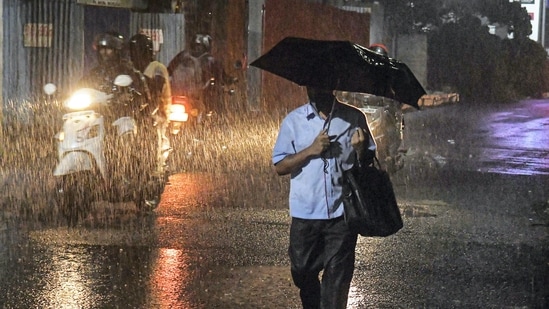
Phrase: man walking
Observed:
(316, 143)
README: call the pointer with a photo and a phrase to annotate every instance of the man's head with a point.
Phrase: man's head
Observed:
(109, 47)
(323, 98)
(141, 51)
(201, 44)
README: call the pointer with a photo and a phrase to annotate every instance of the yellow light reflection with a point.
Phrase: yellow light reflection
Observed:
(67, 287)
(366, 247)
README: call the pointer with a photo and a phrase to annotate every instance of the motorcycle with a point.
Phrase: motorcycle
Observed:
(386, 123)
(190, 109)
(107, 150)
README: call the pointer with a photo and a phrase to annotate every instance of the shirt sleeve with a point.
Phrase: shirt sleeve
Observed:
(284, 144)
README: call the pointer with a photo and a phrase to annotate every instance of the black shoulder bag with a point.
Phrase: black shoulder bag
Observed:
(370, 204)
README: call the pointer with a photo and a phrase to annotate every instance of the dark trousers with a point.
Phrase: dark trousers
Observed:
(317, 245)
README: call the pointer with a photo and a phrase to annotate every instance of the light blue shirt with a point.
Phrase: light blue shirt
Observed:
(316, 189)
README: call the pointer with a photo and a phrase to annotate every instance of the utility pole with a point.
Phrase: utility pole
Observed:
(256, 12)
(543, 21)
(1, 72)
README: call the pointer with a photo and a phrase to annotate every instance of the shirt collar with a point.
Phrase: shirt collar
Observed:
(310, 111)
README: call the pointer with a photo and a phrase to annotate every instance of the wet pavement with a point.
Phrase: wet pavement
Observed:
(473, 238)
(503, 139)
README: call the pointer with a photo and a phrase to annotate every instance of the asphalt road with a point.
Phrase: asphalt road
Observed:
(502, 139)
(475, 236)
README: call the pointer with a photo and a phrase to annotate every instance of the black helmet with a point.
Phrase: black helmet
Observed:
(112, 40)
(141, 49)
(379, 49)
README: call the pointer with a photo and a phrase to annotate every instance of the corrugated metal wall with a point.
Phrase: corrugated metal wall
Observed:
(173, 29)
(27, 69)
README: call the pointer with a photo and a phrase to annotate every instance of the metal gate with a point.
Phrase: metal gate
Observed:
(50, 41)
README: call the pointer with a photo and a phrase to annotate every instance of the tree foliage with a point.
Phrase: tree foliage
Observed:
(507, 13)
(464, 55)
(405, 17)
(483, 67)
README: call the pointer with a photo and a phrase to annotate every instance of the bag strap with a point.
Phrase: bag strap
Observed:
(378, 164)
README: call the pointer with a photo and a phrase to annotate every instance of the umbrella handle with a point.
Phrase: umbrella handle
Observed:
(330, 115)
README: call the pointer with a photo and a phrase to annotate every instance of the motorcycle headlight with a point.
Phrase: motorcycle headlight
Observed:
(79, 100)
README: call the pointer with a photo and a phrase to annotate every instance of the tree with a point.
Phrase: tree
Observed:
(507, 13)
(481, 66)
(463, 54)
(406, 17)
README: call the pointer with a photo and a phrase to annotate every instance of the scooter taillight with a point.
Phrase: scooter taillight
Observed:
(178, 111)
(180, 100)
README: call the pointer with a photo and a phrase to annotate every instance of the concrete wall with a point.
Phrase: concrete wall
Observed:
(309, 20)
(412, 50)
(377, 25)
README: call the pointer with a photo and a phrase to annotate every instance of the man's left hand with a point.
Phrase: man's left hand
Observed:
(357, 141)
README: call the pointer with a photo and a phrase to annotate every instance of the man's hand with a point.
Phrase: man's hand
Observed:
(320, 144)
(294, 162)
(357, 141)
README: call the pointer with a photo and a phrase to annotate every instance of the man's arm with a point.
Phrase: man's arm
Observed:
(294, 162)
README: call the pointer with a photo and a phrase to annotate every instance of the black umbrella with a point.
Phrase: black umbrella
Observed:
(341, 65)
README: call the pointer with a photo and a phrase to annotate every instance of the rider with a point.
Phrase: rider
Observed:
(111, 63)
(157, 77)
(128, 101)
(195, 73)
(186, 80)
(213, 74)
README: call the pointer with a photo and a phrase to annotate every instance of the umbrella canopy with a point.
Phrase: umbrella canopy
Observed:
(341, 65)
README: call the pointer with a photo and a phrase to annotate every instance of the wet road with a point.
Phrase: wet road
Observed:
(117, 259)
(506, 139)
(472, 239)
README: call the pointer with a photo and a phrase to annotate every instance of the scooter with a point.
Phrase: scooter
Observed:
(106, 151)
(386, 123)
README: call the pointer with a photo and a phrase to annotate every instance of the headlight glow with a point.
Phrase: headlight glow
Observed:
(79, 100)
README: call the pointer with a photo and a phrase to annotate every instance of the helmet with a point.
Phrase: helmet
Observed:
(112, 40)
(203, 40)
(141, 48)
(379, 48)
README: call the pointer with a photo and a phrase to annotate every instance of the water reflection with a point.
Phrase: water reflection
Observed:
(114, 259)
(169, 274)
(57, 268)
(80, 276)
(366, 249)
(67, 286)
(516, 140)
(520, 129)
